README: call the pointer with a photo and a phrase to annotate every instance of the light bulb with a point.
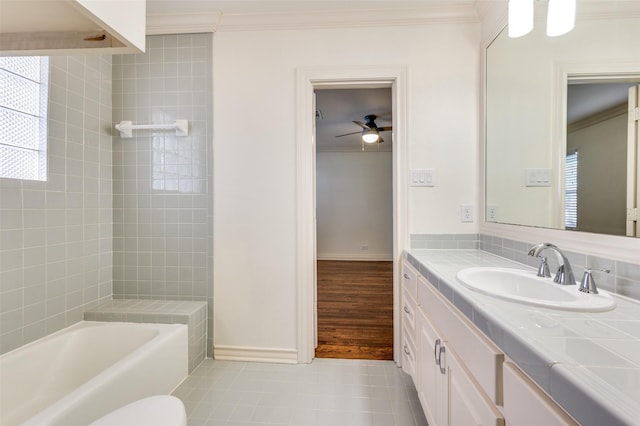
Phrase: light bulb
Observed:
(370, 136)
(561, 17)
(520, 17)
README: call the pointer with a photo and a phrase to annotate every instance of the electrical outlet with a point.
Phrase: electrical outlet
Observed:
(364, 247)
(466, 213)
(492, 213)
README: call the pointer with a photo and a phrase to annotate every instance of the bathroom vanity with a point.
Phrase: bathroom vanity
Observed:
(479, 359)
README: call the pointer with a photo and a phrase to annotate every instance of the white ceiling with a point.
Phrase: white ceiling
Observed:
(584, 100)
(162, 7)
(341, 107)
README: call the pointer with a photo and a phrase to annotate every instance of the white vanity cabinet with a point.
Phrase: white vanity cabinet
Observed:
(463, 377)
(449, 391)
(47, 27)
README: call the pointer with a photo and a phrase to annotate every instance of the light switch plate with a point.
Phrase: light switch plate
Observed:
(422, 177)
(538, 177)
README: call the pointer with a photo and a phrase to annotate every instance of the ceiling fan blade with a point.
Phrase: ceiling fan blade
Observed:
(361, 124)
(347, 134)
(385, 128)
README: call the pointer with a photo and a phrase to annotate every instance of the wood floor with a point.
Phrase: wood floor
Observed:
(355, 310)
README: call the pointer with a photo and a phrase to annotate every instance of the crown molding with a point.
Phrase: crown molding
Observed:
(348, 18)
(183, 23)
(213, 22)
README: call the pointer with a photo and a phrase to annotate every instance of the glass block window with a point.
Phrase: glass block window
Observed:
(24, 89)
(571, 191)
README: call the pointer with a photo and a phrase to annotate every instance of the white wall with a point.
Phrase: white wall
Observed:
(255, 156)
(354, 205)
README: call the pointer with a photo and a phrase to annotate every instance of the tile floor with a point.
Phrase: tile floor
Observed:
(326, 392)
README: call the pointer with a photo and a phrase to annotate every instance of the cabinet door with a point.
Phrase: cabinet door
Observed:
(468, 404)
(526, 404)
(432, 383)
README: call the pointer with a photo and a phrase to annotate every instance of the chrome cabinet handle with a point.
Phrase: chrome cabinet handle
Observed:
(406, 277)
(443, 370)
(407, 310)
(406, 350)
(435, 351)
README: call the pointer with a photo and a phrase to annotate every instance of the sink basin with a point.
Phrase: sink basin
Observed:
(525, 287)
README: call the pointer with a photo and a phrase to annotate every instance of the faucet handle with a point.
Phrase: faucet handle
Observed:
(543, 268)
(588, 284)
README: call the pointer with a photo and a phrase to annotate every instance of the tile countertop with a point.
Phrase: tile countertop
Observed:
(588, 362)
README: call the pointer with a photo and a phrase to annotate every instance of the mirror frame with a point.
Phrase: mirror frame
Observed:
(620, 248)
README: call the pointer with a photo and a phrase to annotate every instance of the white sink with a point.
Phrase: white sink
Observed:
(525, 287)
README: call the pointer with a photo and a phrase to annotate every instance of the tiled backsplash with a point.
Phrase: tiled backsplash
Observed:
(624, 278)
(56, 235)
(162, 183)
(445, 241)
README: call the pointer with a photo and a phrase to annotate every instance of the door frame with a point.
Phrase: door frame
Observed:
(307, 80)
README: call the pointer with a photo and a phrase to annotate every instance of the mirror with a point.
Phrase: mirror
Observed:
(535, 87)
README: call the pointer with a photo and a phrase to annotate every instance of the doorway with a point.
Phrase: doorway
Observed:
(354, 223)
(307, 81)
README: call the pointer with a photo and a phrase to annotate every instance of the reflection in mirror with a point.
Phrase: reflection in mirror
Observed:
(535, 91)
(596, 175)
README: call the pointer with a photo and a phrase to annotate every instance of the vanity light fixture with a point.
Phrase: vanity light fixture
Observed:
(520, 17)
(561, 17)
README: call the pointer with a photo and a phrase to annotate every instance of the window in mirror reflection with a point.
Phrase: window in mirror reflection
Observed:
(571, 191)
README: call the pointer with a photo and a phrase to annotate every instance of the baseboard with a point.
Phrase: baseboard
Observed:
(356, 256)
(244, 353)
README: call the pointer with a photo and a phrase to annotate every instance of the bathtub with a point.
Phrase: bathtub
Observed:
(76, 375)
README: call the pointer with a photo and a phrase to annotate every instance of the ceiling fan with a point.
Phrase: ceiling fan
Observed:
(370, 131)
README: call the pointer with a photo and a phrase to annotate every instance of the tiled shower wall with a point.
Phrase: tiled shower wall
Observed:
(56, 235)
(162, 183)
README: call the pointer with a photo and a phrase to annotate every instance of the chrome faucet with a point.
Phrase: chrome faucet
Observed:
(564, 275)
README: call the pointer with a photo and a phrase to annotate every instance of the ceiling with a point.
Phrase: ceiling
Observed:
(338, 108)
(162, 7)
(584, 100)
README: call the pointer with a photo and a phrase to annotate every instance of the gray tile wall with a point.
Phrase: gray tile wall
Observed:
(162, 183)
(624, 278)
(445, 241)
(56, 235)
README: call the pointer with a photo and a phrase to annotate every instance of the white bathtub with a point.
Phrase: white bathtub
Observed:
(81, 373)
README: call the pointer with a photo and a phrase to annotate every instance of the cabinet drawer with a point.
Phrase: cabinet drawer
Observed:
(408, 312)
(482, 357)
(526, 404)
(409, 278)
(408, 355)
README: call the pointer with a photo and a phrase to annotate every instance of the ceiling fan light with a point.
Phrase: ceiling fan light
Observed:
(520, 17)
(561, 17)
(370, 136)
